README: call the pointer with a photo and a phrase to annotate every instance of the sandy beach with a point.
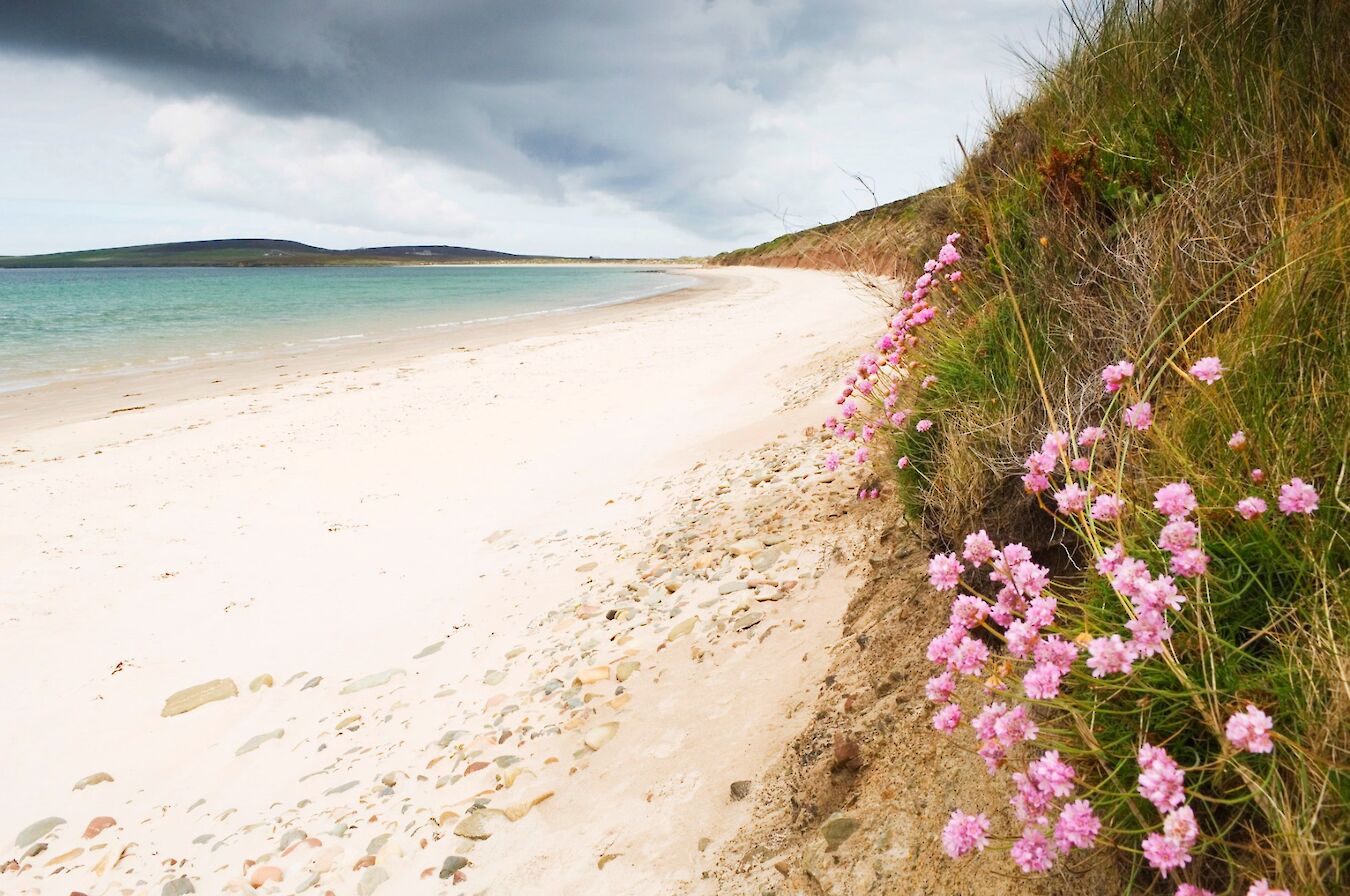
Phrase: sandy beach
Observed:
(511, 609)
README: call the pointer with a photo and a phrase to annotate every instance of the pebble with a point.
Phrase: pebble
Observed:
(189, 699)
(591, 675)
(371, 880)
(373, 681)
(838, 828)
(745, 546)
(473, 826)
(494, 677)
(749, 619)
(91, 780)
(262, 681)
(37, 830)
(258, 740)
(740, 790)
(312, 683)
(264, 874)
(97, 826)
(600, 735)
(179, 886)
(626, 668)
(732, 586)
(681, 629)
(451, 865)
(428, 650)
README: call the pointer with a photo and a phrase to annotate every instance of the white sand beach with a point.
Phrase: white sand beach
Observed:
(505, 611)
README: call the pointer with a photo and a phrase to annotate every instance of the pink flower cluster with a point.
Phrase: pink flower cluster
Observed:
(1250, 730)
(868, 402)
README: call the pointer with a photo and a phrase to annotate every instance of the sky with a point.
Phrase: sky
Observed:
(620, 128)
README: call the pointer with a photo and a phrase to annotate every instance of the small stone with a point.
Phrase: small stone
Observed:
(312, 683)
(591, 675)
(606, 859)
(585, 567)
(767, 594)
(745, 546)
(292, 836)
(473, 826)
(838, 828)
(264, 874)
(600, 735)
(626, 668)
(371, 880)
(91, 780)
(428, 650)
(494, 677)
(451, 865)
(258, 740)
(350, 721)
(37, 830)
(179, 886)
(189, 699)
(681, 629)
(740, 790)
(97, 826)
(372, 681)
(747, 620)
(262, 681)
(732, 586)
(307, 883)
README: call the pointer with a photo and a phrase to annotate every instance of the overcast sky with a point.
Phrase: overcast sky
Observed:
(609, 127)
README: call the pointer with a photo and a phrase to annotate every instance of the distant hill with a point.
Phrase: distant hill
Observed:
(255, 253)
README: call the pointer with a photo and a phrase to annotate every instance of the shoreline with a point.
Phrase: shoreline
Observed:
(100, 394)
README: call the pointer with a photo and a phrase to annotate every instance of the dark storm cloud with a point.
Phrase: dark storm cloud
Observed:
(646, 99)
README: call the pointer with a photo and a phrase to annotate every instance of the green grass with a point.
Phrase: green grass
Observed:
(1174, 185)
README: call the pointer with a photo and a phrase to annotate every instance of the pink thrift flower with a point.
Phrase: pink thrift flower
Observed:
(1078, 826)
(948, 254)
(1055, 442)
(1160, 778)
(1020, 638)
(1297, 496)
(1140, 415)
(1207, 370)
(861, 456)
(969, 656)
(979, 548)
(952, 237)
(849, 409)
(1109, 562)
(1030, 578)
(1033, 852)
(968, 611)
(1035, 482)
(1258, 475)
(985, 721)
(832, 461)
(1014, 727)
(1080, 464)
(1178, 535)
(942, 646)
(1175, 500)
(1250, 730)
(1238, 440)
(1041, 682)
(1150, 632)
(902, 462)
(1251, 507)
(1193, 890)
(1052, 774)
(1041, 612)
(1106, 508)
(944, 571)
(1090, 436)
(1072, 498)
(928, 381)
(1055, 651)
(955, 276)
(1114, 374)
(964, 833)
(923, 425)
(1165, 854)
(1190, 563)
(1262, 888)
(947, 718)
(940, 687)
(1110, 655)
(1180, 826)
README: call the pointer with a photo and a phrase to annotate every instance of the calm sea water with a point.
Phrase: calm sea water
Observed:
(58, 324)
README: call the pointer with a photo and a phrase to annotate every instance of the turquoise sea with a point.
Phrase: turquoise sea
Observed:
(62, 324)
